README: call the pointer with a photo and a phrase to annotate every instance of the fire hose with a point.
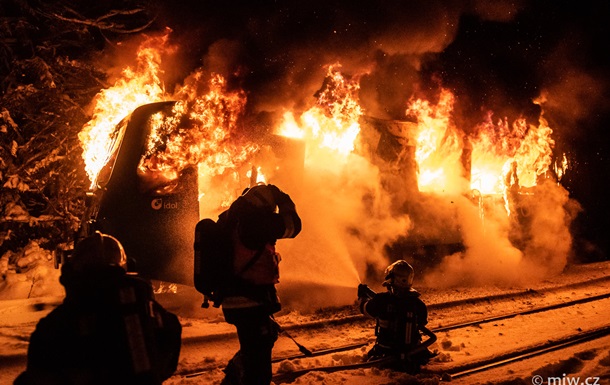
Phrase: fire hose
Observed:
(281, 330)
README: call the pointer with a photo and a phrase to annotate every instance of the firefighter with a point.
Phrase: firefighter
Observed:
(401, 319)
(256, 219)
(108, 330)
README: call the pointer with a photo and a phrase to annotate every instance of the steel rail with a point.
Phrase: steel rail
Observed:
(540, 309)
(434, 306)
(461, 324)
(523, 354)
(466, 369)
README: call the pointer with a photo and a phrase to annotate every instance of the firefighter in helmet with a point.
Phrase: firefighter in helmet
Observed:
(108, 330)
(256, 219)
(401, 319)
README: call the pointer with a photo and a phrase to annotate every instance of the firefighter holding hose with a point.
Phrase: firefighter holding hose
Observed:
(401, 320)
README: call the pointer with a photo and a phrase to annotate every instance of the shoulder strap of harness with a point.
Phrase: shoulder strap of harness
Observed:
(251, 262)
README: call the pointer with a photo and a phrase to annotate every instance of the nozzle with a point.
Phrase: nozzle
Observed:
(365, 292)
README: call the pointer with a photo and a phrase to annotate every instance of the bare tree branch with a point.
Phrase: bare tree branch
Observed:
(105, 22)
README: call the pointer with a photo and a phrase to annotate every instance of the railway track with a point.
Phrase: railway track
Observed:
(355, 317)
(533, 351)
(458, 371)
(210, 350)
(468, 368)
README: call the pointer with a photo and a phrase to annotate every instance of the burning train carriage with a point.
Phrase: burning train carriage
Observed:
(155, 217)
(435, 233)
(437, 230)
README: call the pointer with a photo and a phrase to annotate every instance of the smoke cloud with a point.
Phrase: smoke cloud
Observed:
(492, 256)
(347, 220)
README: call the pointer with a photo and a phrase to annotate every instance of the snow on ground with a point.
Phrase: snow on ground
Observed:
(208, 342)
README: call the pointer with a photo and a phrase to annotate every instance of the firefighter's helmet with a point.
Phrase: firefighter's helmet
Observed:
(399, 275)
(98, 250)
(261, 196)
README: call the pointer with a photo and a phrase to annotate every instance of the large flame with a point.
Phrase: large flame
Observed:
(198, 132)
(438, 146)
(332, 124)
(135, 87)
(499, 155)
(359, 218)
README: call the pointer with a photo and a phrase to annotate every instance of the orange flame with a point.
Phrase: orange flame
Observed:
(136, 87)
(197, 133)
(332, 124)
(438, 146)
(200, 132)
(502, 155)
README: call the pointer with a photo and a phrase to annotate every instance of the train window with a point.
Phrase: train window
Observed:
(115, 145)
(159, 170)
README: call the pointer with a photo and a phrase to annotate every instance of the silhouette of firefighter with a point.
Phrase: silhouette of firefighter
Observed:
(401, 319)
(256, 219)
(109, 328)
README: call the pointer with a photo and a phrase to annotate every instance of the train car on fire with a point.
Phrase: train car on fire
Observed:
(153, 217)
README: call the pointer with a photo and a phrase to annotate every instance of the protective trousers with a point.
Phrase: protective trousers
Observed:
(257, 335)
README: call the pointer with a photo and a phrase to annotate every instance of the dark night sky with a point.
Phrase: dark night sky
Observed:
(497, 56)
(560, 49)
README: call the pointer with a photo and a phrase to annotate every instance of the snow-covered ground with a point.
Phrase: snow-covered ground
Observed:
(208, 342)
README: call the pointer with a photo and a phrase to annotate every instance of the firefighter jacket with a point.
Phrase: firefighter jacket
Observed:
(399, 319)
(257, 219)
(108, 330)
